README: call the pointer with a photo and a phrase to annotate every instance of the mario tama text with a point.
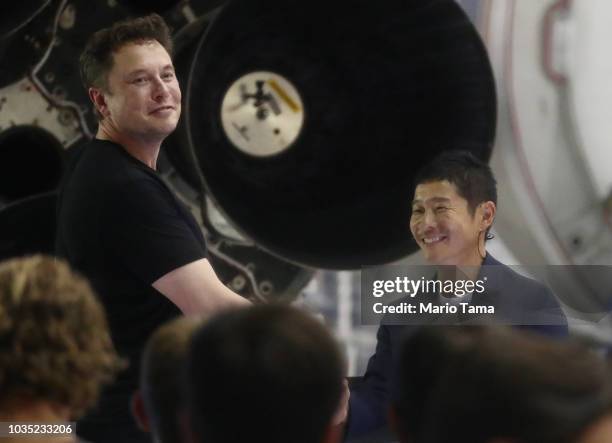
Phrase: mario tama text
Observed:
(432, 308)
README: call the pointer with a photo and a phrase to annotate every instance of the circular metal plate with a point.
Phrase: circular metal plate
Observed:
(262, 113)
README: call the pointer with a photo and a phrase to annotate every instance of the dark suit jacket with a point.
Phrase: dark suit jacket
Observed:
(518, 301)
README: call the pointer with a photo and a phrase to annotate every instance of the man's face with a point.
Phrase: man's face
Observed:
(144, 98)
(442, 225)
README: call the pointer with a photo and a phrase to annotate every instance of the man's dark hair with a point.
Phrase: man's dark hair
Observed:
(472, 177)
(97, 58)
(425, 354)
(268, 373)
(509, 384)
(161, 376)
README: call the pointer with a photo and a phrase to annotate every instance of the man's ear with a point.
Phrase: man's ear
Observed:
(489, 210)
(139, 413)
(99, 100)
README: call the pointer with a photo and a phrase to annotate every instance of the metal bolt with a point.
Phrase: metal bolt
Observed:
(266, 287)
(65, 117)
(238, 283)
(59, 92)
(68, 17)
(576, 242)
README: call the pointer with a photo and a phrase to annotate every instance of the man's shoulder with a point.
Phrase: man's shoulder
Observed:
(102, 164)
(101, 183)
(529, 303)
(509, 280)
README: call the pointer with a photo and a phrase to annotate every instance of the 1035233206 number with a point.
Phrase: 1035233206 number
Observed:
(37, 428)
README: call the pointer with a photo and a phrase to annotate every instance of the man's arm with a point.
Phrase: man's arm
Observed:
(195, 289)
(156, 240)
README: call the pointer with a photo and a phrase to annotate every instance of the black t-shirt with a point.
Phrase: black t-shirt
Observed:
(121, 226)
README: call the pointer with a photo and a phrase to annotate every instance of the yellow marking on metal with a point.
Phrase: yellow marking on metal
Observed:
(281, 92)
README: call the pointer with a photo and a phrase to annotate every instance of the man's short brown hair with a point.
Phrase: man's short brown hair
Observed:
(55, 344)
(97, 58)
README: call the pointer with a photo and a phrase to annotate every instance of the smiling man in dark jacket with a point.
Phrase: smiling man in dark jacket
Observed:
(453, 209)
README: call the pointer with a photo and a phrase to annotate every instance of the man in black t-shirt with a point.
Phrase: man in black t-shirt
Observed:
(118, 222)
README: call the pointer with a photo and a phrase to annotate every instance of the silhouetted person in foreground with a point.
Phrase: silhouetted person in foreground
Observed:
(158, 403)
(494, 384)
(55, 347)
(269, 374)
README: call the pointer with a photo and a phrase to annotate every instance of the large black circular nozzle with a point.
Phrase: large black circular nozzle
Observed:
(310, 119)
